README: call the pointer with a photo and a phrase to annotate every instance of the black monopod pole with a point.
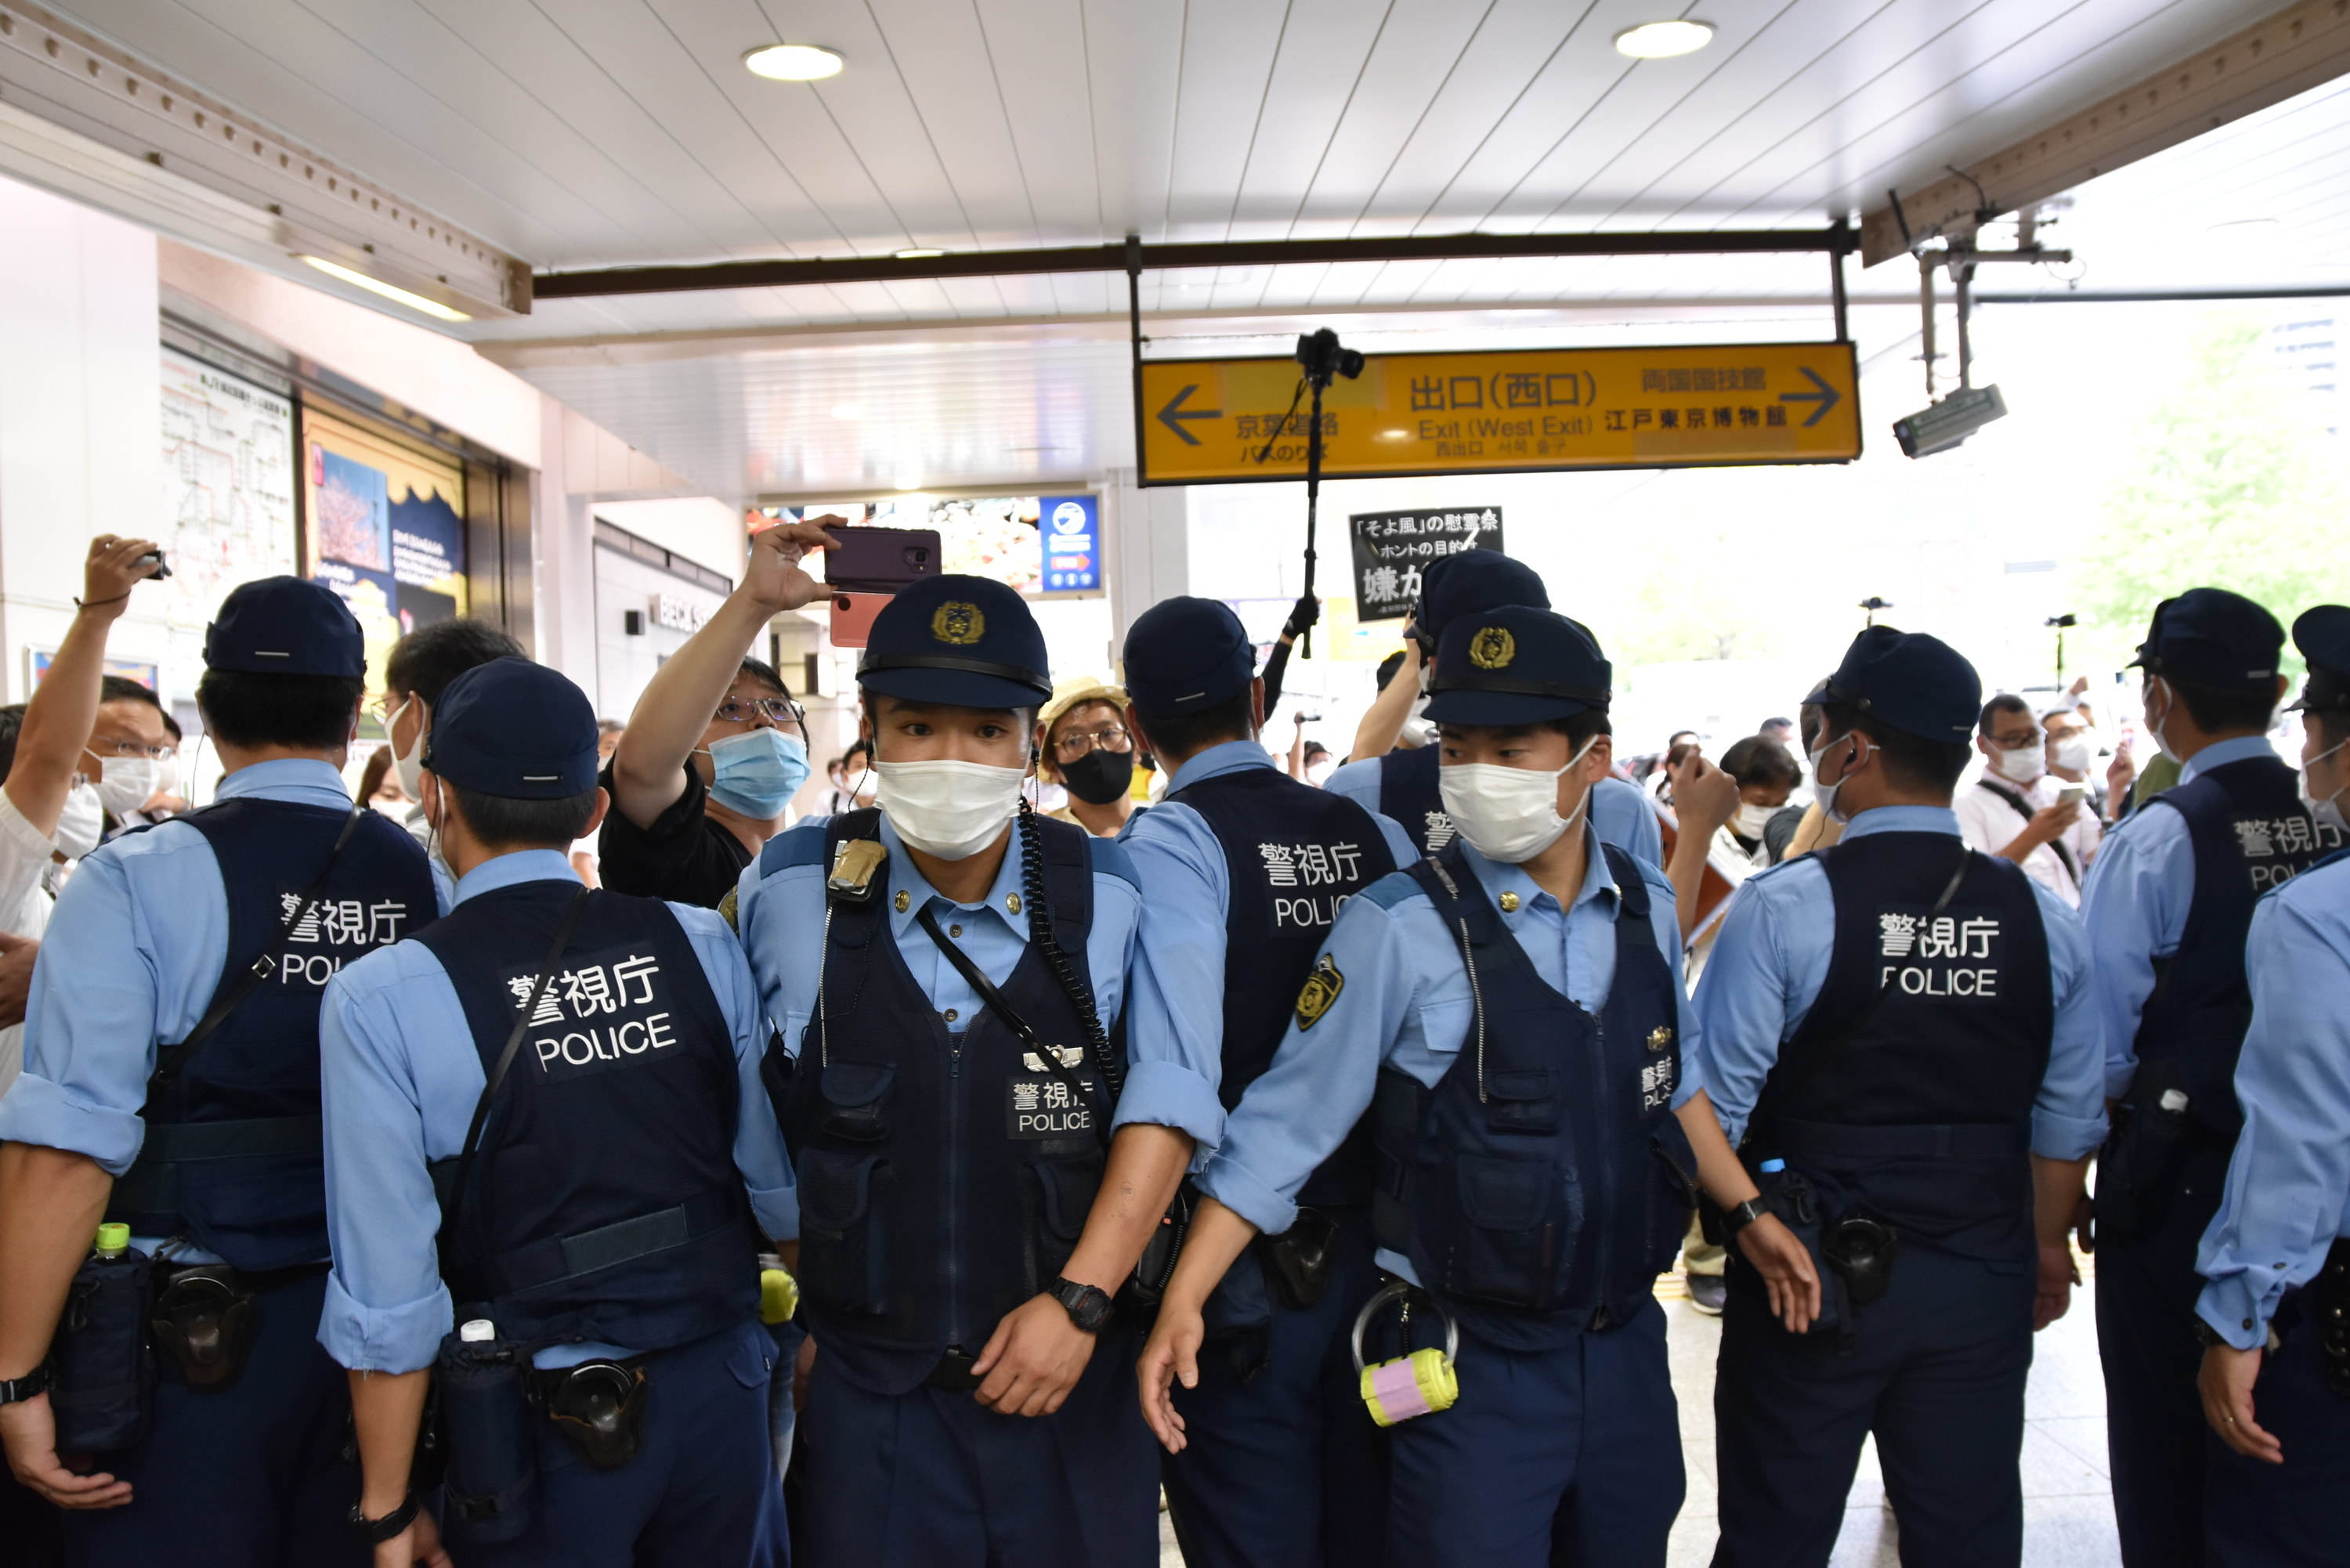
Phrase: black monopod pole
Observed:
(1313, 505)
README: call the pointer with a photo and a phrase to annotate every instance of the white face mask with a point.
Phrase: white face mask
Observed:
(2023, 765)
(411, 767)
(950, 809)
(125, 783)
(2074, 753)
(2328, 811)
(79, 823)
(1510, 815)
(1751, 819)
(2153, 726)
(1825, 793)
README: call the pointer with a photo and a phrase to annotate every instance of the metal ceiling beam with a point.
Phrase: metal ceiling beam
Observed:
(2290, 52)
(1834, 240)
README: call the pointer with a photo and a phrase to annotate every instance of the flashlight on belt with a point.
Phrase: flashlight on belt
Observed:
(1418, 1383)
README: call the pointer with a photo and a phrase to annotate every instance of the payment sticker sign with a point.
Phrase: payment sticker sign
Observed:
(1071, 526)
(1207, 422)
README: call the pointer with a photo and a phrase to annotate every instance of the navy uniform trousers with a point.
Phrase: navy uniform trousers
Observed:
(933, 1479)
(2295, 1514)
(2156, 1434)
(701, 1491)
(1570, 1457)
(1935, 1370)
(260, 1474)
(1284, 1467)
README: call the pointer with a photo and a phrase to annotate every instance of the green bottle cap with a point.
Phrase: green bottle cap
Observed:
(113, 1238)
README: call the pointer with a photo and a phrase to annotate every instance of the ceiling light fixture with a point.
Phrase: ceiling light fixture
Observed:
(793, 62)
(1663, 40)
(846, 411)
(919, 255)
(431, 307)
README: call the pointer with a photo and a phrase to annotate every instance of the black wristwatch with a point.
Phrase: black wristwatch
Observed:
(376, 1532)
(1735, 1219)
(16, 1390)
(1088, 1306)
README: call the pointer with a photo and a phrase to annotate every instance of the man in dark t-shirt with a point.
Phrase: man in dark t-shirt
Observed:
(715, 749)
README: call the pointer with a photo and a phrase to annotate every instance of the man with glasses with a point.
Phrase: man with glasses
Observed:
(129, 758)
(2019, 811)
(1089, 752)
(419, 668)
(716, 748)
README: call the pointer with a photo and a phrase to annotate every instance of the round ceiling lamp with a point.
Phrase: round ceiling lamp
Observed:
(1663, 40)
(794, 62)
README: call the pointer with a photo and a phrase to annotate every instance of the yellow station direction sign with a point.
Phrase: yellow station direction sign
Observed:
(1208, 422)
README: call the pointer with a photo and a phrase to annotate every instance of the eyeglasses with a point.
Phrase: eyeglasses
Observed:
(1068, 748)
(2015, 742)
(101, 746)
(751, 710)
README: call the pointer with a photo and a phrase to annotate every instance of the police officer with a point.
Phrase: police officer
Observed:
(1243, 871)
(2167, 907)
(1901, 1031)
(613, 1164)
(2276, 1369)
(1511, 1012)
(1401, 785)
(172, 1084)
(947, 984)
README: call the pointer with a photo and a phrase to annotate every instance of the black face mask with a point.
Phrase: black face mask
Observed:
(1099, 777)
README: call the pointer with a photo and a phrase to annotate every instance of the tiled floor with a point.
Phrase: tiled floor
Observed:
(2068, 1519)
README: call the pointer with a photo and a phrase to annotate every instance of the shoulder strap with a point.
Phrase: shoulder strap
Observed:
(977, 979)
(506, 1059)
(172, 1060)
(1804, 1071)
(1040, 931)
(2022, 808)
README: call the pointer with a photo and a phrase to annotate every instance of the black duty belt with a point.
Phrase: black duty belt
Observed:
(1845, 1140)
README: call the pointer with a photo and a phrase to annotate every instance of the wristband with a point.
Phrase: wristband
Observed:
(1737, 1218)
(376, 1532)
(33, 1384)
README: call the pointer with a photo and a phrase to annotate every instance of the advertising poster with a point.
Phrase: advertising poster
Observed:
(227, 503)
(386, 531)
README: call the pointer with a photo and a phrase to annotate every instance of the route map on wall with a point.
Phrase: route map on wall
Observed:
(228, 501)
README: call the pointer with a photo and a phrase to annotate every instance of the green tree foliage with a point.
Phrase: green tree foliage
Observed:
(2236, 484)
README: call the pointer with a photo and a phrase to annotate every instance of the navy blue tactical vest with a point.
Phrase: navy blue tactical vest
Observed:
(1543, 1182)
(1293, 854)
(1906, 1095)
(1409, 797)
(604, 1203)
(944, 1178)
(2250, 834)
(233, 1157)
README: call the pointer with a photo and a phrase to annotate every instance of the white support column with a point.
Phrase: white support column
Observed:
(80, 416)
(1149, 544)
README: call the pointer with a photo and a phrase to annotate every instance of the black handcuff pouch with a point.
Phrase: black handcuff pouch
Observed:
(204, 1319)
(1298, 1262)
(1862, 1251)
(599, 1406)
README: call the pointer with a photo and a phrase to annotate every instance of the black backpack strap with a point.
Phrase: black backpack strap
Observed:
(172, 1060)
(464, 1163)
(2022, 808)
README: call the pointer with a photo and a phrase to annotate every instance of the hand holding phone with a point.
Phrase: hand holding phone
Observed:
(880, 560)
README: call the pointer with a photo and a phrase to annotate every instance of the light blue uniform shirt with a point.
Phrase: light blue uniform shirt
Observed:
(2135, 909)
(2288, 1193)
(402, 1074)
(1772, 959)
(1618, 810)
(131, 957)
(781, 919)
(1179, 971)
(1406, 1003)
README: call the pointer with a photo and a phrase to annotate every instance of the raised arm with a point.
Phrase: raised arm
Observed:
(58, 719)
(1383, 721)
(649, 767)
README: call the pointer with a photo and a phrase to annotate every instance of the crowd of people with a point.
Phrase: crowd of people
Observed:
(551, 1152)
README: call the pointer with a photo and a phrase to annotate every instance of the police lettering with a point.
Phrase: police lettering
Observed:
(1306, 911)
(1045, 1109)
(353, 924)
(604, 1043)
(1920, 939)
(1941, 982)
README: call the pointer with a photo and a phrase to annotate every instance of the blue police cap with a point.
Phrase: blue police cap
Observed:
(961, 640)
(1185, 654)
(514, 729)
(1516, 665)
(1471, 581)
(2322, 635)
(1915, 683)
(2209, 637)
(285, 626)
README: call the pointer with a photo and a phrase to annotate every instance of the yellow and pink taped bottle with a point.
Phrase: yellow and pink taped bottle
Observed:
(1419, 1383)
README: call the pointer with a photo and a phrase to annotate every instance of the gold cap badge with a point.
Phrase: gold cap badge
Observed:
(958, 623)
(1493, 647)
